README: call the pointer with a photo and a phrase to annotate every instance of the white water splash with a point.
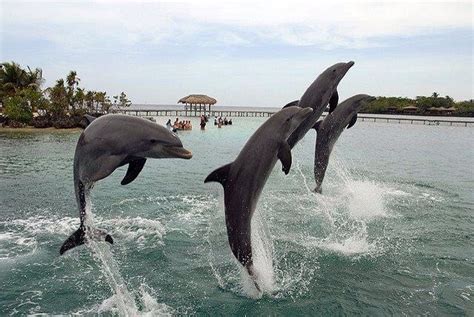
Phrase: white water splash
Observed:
(348, 206)
(366, 199)
(122, 302)
(262, 252)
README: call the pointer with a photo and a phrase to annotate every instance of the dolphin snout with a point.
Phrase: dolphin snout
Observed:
(350, 63)
(304, 112)
(178, 152)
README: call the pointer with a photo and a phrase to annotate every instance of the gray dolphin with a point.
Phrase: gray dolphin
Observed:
(109, 142)
(244, 179)
(321, 92)
(329, 130)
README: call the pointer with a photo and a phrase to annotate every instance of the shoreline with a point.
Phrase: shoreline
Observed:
(363, 116)
(33, 129)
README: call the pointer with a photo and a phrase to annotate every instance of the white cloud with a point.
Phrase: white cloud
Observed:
(328, 24)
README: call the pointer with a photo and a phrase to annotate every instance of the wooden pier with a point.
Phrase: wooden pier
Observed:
(193, 113)
(255, 113)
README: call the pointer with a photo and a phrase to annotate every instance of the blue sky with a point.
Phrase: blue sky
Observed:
(246, 53)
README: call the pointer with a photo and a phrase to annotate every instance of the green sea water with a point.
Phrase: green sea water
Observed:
(392, 234)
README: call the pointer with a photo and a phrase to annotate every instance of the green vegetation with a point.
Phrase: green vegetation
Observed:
(18, 109)
(64, 104)
(433, 105)
(61, 105)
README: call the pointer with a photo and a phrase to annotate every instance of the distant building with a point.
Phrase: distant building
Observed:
(410, 109)
(392, 110)
(441, 110)
(198, 102)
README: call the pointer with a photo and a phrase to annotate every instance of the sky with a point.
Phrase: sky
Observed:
(244, 53)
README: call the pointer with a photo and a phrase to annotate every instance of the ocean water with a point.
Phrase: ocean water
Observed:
(392, 234)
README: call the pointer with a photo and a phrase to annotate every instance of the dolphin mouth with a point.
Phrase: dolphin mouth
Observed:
(304, 113)
(178, 151)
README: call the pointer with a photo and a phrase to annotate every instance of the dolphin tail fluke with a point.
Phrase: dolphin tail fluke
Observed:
(79, 237)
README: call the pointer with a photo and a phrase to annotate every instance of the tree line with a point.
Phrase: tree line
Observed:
(434, 104)
(62, 105)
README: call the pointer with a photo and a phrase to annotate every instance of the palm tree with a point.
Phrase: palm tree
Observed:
(100, 99)
(89, 99)
(72, 81)
(13, 78)
(79, 98)
(449, 100)
(34, 78)
(58, 98)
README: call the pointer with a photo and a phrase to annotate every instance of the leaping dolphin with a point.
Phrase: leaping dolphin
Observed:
(244, 179)
(107, 143)
(329, 130)
(321, 92)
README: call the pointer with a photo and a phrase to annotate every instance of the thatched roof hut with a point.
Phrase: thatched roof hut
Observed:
(197, 100)
(442, 110)
(410, 109)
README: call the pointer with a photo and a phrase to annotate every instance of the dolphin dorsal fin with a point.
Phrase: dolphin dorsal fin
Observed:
(134, 168)
(291, 104)
(220, 175)
(353, 121)
(89, 119)
(333, 101)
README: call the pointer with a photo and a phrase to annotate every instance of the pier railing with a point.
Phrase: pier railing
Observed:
(193, 113)
(256, 113)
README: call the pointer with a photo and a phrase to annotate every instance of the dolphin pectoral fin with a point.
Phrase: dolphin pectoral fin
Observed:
(353, 121)
(317, 124)
(77, 238)
(284, 155)
(220, 175)
(333, 101)
(291, 104)
(134, 168)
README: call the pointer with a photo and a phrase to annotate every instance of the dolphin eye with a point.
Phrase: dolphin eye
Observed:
(153, 141)
(333, 70)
